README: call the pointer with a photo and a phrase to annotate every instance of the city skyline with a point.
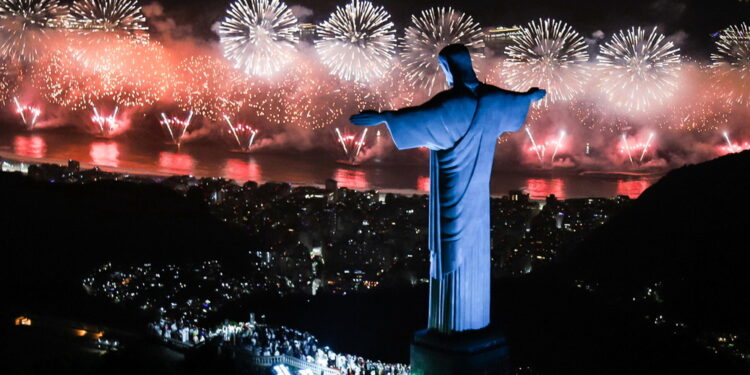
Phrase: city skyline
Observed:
(355, 187)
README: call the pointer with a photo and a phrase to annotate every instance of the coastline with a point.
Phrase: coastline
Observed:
(156, 175)
(539, 185)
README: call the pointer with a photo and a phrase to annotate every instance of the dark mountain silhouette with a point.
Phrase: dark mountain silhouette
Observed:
(690, 232)
(686, 239)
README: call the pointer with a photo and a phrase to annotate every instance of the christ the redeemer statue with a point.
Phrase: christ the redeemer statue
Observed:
(460, 127)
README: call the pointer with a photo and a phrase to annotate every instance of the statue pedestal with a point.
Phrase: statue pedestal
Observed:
(481, 352)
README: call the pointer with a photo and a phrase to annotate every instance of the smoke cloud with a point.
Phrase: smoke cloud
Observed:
(177, 72)
(302, 13)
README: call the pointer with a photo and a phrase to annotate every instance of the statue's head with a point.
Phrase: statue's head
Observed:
(455, 60)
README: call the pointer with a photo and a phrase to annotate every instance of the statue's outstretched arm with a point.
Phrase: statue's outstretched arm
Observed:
(422, 112)
(368, 118)
(536, 93)
(514, 107)
(419, 126)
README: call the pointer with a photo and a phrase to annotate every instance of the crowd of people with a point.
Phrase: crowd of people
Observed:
(262, 340)
(178, 332)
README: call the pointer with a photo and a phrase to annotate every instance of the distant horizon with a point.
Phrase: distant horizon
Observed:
(352, 178)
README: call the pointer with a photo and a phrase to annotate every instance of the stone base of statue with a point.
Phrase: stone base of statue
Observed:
(480, 352)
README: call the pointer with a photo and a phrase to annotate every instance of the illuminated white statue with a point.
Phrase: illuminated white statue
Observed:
(460, 126)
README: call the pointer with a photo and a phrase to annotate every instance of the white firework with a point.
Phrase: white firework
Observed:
(107, 15)
(731, 64)
(259, 36)
(357, 42)
(25, 26)
(428, 33)
(548, 54)
(638, 69)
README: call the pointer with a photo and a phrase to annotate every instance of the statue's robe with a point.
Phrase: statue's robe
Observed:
(460, 127)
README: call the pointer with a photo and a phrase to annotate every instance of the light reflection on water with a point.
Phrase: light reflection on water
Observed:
(139, 155)
(171, 162)
(241, 170)
(632, 188)
(539, 188)
(351, 178)
(31, 146)
(105, 153)
(423, 184)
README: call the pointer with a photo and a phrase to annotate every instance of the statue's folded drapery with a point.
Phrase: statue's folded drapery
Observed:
(460, 127)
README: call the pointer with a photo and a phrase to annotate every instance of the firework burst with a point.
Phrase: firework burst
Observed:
(389, 93)
(259, 36)
(176, 127)
(428, 33)
(66, 83)
(351, 144)
(731, 147)
(7, 81)
(264, 103)
(243, 134)
(538, 149)
(146, 76)
(134, 73)
(731, 64)
(635, 149)
(106, 125)
(209, 87)
(357, 42)
(25, 26)
(314, 102)
(552, 146)
(123, 70)
(638, 69)
(28, 113)
(596, 117)
(547, 54)
(705, 110)
(107, 15)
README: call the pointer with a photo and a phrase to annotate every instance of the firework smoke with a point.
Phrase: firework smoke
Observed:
(74, 73)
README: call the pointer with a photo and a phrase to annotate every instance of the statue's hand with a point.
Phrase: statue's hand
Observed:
(367, 118)
(536, 93)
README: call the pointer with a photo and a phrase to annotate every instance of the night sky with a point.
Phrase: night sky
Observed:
(688, 23)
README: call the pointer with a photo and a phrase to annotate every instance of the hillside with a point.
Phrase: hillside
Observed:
(657, 289)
